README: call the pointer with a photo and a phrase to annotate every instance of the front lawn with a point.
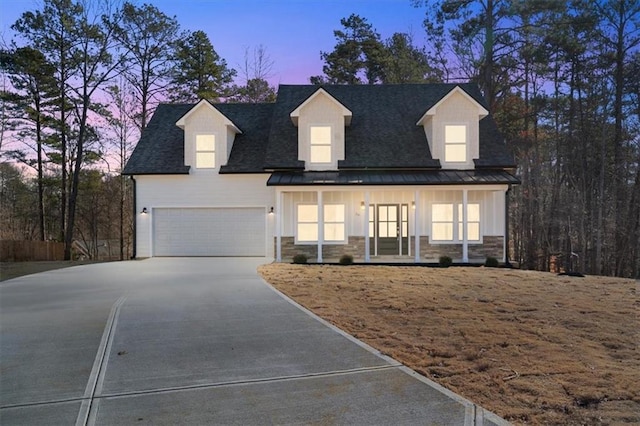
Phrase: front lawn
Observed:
(533, 347)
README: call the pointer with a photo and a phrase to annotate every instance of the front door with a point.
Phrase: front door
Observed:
(392, 229)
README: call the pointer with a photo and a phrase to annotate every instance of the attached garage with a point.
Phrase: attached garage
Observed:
(209, 232)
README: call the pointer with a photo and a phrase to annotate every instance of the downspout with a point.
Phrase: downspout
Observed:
(135, 219)
(506, 227)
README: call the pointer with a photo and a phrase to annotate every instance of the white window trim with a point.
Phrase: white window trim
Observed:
(315, 242)
(457, 239)
(330, 144)
(215, 150)
(444, 144)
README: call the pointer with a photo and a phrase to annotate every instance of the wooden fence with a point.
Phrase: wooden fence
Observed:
(20, 251)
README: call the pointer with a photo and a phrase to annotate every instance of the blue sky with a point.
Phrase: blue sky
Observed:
(293, 31)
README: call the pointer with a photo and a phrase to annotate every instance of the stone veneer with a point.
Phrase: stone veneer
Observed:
(333, 252)
(491, 246)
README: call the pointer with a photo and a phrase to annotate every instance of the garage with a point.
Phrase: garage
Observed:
(209, 232)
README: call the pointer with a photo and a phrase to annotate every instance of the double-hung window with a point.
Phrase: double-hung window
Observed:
(308, 224)
(307, 229)
(320, 141)
(334, 222)
(447, 222)
(455, 143)
(473, 222)
(442, 222)
(205, 151)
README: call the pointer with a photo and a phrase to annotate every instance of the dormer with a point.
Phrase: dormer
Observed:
(208, 137)
(452, 127)
(321, 122)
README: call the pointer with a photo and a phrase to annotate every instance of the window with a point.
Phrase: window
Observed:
(443, 222)
(205, 151)
(334, 223)
(320, 139)
(307, 222)
(455, 144)
(473, 222)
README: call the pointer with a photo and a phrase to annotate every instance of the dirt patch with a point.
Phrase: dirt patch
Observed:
(533, 347)
(9, 270)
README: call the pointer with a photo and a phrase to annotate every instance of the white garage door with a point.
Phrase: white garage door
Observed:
(209, 232)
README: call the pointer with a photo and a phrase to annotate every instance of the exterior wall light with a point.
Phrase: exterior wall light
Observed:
(144, 211)
(271, 211)
(413, 205)
(361, 205)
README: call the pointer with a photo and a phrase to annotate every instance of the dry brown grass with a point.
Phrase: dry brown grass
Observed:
(533, 347)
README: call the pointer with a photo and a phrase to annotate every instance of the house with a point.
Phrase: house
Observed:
(381, 172)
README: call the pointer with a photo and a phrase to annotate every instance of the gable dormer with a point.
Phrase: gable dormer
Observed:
(321, 122)
(208, 137)
(453, 130)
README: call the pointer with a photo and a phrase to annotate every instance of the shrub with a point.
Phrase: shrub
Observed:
(346, 259)
(300, 258)
(445, 261)
(491, 262)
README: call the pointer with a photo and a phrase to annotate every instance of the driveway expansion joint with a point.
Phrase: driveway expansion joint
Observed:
(250, 381)
(86, 414)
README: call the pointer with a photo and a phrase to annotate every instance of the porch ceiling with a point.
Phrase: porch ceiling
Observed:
(387, 177)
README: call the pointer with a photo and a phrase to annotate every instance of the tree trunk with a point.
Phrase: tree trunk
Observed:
(41, 231)
(68, 240)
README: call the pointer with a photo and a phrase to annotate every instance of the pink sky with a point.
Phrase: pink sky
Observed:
(293, 31)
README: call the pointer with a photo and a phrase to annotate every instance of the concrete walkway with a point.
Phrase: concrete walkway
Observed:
(194, 341)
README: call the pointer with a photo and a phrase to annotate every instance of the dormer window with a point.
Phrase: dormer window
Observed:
(205, 151)
(320, 141)
(455, 143)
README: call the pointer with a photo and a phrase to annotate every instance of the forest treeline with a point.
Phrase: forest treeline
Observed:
(81, 80)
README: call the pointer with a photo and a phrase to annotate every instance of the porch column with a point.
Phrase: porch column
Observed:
(367, 237)
(416, 227)
(505, 243)
(278, 218)
(465, 233)
(320, 225)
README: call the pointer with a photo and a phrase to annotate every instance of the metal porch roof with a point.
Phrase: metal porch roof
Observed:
(386, 177)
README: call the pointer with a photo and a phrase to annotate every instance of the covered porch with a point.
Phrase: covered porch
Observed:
(390, 223)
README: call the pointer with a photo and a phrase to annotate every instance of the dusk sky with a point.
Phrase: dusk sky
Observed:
(293, 31)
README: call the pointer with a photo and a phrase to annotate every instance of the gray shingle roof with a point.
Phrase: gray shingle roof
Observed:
(383, 133)
(247, 155)
(161, 148)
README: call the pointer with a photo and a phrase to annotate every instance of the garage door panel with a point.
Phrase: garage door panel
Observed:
(209, 232)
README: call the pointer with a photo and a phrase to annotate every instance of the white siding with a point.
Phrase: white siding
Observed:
(321, 111)
(205, 120)
(200, 190)
(491, 203)
(456, 109)
(491, 208)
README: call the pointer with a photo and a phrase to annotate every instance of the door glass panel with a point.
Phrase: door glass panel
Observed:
(382, 212)
(393, 213)
(382, 230)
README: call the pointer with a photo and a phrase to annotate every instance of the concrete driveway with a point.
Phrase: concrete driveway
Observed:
(194, 341)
